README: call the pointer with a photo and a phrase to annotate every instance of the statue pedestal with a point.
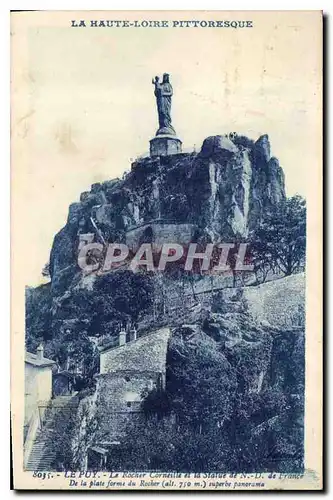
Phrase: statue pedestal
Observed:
(165, 145)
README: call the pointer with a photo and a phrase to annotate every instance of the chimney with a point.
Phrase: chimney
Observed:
(40, 352)
(122, 337)
(133, 334)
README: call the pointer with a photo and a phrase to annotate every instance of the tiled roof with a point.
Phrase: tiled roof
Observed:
(33, 360)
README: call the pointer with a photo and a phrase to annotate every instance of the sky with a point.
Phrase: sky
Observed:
(83, 105)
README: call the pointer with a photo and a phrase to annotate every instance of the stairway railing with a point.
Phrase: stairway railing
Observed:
(40, 417)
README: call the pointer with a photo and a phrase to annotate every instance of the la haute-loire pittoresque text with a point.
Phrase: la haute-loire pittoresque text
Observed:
(145, 23)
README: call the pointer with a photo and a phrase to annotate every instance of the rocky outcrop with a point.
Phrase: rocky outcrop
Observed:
(222, 191)
(241, 347)
(217, 194)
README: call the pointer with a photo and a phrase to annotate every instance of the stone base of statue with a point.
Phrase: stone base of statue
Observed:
(165, 145)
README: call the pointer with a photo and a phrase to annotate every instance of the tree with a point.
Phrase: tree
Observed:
(37, 315)
(201, 384)
(125, 292)
(280, 240)
(118, 299)
(74, 351)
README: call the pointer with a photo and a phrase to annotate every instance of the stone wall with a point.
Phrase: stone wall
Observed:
(123, 389)
(147, 353)
(281, 302)
(119, 399)
(159, 233)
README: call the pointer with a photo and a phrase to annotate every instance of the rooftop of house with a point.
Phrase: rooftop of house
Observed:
(144, 353)
(38, 360)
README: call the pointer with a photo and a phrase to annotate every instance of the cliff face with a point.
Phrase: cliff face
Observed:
(215, 195)
(248, 342)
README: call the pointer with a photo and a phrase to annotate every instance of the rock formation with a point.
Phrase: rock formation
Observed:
(219, 194)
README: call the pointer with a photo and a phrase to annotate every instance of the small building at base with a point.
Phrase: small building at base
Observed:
(127, 372)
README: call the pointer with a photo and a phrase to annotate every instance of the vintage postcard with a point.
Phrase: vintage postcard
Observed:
(166, 250)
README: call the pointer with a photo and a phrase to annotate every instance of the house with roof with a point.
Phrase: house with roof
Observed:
(128, 370)
(38, 382)
(48, 394)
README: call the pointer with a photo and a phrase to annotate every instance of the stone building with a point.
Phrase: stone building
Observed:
(127, 372)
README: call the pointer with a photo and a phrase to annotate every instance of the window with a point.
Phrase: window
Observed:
(129, 404)
(130, 397)
(127, 378)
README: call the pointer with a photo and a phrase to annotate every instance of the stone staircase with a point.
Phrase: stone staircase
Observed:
(43, 454)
